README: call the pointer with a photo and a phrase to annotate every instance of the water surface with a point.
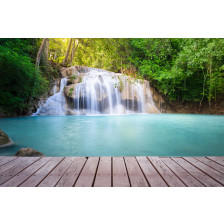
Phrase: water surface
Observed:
(127, 135)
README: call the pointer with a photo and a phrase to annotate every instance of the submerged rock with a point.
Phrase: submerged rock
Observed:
(28, 152)
(4, 138)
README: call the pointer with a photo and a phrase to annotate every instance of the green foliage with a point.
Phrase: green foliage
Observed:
(74, 77)
(80, 79)
(182, 69)
(19, 80)
(70, 91)
(121, 84)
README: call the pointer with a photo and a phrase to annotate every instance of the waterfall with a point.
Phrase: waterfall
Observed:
(96, 91)
(56, 104)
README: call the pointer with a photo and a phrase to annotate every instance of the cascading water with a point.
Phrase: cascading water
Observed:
(99, 92)
(56, 104)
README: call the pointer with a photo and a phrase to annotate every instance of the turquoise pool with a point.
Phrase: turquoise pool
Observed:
(128, 135)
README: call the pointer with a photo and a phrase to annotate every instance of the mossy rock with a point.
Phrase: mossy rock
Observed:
(4, 138)
(28, 152)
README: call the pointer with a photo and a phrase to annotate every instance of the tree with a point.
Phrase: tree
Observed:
(65, 61)
(74, 48)
(40, 52)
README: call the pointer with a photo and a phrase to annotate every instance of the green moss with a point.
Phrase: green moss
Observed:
(73, 77)
(70, 91)
(121, 84)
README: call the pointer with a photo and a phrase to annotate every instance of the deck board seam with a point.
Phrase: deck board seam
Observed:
(157, 171)
(173, 172)
(202, 168)
(49, 173)
(112, 184)
(203, 171)
(96, 171)
(64, 173)
(183, 169)
(187, 170)
(34, 172)
(9, 167)
(80, 172)
(209, 165)
(142, 172)
(214, 161)
(127, 171)
(19, 171)
(9, 162)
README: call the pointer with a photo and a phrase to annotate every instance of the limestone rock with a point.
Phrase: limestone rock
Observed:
(28, 152)
(4, 139)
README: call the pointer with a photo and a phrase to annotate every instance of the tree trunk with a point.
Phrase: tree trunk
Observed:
(40, 52)
(203, 93)
(46, 49)
(74, 48)
(55, 54)
(121, 67)
(68, 51)
(210, 84)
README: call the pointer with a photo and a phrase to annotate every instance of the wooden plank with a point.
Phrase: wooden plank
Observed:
(170, 178)
(217, 159)
(120, 176)
(135, 174)
(153, 177)
(9, 165)
(2, 157)
(37, 177)
(198, 174)
(24, 163)
(189, 180)
(103, 175)
(211, 163)
(88, 173)
(25, 174)
(71, 174)
(7, 159)
(206, 169)
(52, 179)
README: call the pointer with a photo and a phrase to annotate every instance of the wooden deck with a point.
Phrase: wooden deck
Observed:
(111, 171)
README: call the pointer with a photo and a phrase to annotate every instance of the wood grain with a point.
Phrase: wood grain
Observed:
(26, 173)
(55, 175)
(7, 159)
(198, 174)
(170, 178)
(206, 169)
(120, 176)
(103, 175)
(135, 174)
(137, 171)
(189, 180)
(24, 163)
(71, 174)
(37, 177)
(211, 163)
(151, 174)
(86, 178)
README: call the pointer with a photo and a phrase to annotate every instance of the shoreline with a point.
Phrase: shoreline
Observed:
(7, 144)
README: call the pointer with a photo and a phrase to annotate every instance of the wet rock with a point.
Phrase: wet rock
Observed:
(4, 139)
(29, 152)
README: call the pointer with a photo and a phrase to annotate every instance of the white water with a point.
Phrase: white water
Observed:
(56, 104)
(101, 92)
